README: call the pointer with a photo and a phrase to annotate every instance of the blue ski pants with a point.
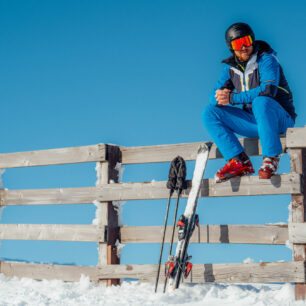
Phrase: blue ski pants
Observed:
(268, 120)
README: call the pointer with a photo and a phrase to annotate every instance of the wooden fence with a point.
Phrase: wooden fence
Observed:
(107, 231)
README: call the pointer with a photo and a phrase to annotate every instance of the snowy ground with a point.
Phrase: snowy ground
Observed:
(14, 291)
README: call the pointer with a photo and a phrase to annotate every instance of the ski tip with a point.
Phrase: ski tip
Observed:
(205, 146)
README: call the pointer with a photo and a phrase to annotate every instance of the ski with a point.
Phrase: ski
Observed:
(178, 266)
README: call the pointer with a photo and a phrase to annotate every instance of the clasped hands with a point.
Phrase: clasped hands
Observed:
(222, 96)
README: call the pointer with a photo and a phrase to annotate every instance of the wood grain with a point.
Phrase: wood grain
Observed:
(166, 153)
(58, 232)
(296, 137)
(48, 271)
(298, 201)
(72, 155)
(297, 233)
(273, 272)
(250, 234)
(245, 186)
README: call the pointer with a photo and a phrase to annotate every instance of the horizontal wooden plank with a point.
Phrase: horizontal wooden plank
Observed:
(252, 185)
(166, 153)
(297, 233)
(84, 154)
(49, 196)
(47, 271)
(296, 137)
(264, 272)
(273, 272)
(251, 234)
(245, 186)
(58, 232)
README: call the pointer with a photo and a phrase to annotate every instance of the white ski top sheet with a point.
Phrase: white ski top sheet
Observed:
(198, 173)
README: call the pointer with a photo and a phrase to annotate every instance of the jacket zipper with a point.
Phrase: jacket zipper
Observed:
(243, 78)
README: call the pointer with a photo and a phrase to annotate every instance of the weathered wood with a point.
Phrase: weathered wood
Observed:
(130, 155)
(245, 186)
(53, 156)
(166, 153)
(251, 234)
(58, 232)
(296, 137)
(102, 211)
(48, 271)
(297, 233)
(298, 165)
(49, 196)
(219, 273)
(107, 216)
(274, 272)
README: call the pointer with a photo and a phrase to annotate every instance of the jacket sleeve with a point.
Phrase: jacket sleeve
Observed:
(224, 82)
(269, 71)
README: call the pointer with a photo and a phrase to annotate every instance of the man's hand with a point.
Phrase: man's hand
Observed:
(222, 96)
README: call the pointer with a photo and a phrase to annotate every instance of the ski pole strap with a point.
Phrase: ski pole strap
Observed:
(177, 174)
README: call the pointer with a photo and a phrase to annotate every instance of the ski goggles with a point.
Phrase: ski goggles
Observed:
(243, 41)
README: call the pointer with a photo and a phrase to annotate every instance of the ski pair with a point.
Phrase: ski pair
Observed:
(188, 221)
(179, 265)
(176, 181)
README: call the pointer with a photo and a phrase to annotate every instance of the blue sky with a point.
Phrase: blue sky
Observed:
(130, 73)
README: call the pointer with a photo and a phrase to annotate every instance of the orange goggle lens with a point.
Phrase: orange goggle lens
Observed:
(243, 41)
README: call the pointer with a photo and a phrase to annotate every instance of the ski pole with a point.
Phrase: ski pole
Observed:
(163, 240)
(173, 229)
(174, 219)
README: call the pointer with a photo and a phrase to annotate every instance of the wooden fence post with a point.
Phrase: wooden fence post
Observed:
(107, 215)
(298, 165)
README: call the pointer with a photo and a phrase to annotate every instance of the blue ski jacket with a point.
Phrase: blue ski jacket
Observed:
(262, 75)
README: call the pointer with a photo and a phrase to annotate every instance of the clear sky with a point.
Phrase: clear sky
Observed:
(130, 73)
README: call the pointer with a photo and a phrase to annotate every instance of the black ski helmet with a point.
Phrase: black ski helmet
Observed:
(238, 30)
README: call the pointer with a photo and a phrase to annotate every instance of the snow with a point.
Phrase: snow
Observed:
(290, 212)
(248, 260)
(289, 244)
(95, 221)
(118, 205)
(119, 248)
(120, 170)
(24, 291)
(1, 172)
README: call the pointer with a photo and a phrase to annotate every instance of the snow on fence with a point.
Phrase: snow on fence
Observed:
(106, 230)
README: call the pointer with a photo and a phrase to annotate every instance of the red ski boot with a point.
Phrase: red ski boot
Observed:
(237, 166)
(269, 167)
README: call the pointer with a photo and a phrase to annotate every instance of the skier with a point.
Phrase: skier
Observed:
(252, 78)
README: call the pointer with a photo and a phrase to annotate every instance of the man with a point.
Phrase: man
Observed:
(252, 98)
